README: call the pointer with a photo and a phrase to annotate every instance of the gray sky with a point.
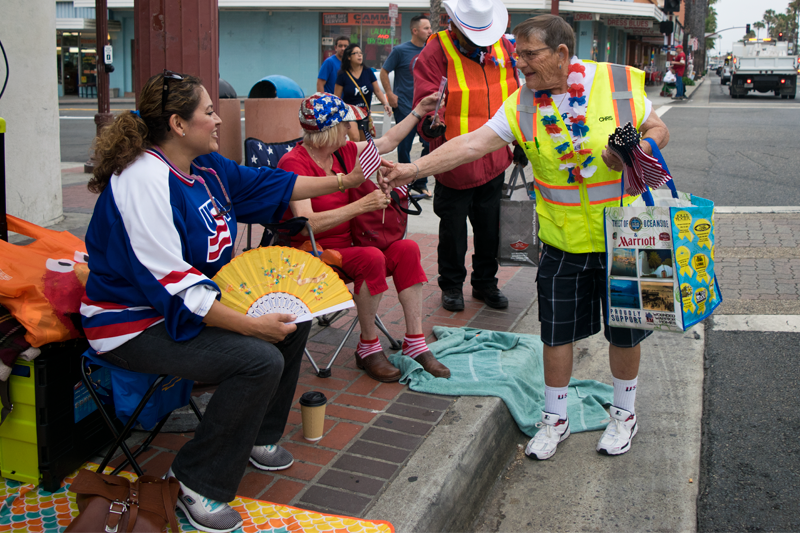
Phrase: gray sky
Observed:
(738, 13)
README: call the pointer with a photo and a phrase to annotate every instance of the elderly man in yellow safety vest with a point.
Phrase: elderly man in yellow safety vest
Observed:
(562, 118)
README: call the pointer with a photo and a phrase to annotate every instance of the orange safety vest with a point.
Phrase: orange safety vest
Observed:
(474, 91)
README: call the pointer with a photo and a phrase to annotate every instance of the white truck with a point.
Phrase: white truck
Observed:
(763, 65)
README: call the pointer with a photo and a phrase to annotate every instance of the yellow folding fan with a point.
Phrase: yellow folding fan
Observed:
(277, 279)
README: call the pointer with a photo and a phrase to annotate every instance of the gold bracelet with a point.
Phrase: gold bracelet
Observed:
(339, 177)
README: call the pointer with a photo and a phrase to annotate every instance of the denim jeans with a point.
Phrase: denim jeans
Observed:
(680, 91)
(482, 206)
(256, 380)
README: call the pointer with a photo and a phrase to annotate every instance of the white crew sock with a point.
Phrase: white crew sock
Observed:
(625, 393)
(555, 401)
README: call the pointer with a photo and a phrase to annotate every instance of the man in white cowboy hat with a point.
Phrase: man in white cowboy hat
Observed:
(475, 56)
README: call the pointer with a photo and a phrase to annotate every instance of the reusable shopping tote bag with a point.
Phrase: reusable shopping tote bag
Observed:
(519, 229)
(660, 268)
(42, 283)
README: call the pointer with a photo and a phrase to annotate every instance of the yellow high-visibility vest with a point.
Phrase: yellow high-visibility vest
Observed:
(571, 214)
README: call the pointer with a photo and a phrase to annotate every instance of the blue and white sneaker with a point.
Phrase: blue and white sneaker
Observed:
(622, 427)
(543, 445)
(206, 514)
(271, 457)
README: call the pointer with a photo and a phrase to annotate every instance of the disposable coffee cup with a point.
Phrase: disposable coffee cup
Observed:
(312, 410)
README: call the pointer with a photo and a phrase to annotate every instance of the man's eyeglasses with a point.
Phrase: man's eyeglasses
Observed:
(168, 75)
(528, 55)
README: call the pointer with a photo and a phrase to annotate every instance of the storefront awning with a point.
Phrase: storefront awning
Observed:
(85, 25)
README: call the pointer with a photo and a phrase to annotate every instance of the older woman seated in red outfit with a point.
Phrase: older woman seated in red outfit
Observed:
(325, 133)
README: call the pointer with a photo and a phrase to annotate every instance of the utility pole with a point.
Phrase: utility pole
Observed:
(554, 7)
(103, 116)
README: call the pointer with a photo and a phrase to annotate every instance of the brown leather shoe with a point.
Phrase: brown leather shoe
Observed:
(432, 365)
(378, 367)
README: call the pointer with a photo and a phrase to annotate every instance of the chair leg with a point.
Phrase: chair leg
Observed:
(327, 320)
(143, 447)
(395, 344)
(311, 360)
(326, 372)
(196, 409)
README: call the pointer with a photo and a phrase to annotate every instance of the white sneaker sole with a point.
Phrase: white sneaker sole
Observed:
(552, 453)
(200, 526)
(269, 468)
(625, 448)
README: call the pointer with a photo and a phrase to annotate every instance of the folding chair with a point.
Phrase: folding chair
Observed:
(145, 409)
(326, 320)
(260, 154)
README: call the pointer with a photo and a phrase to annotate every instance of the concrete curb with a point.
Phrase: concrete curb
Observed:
(443, 486)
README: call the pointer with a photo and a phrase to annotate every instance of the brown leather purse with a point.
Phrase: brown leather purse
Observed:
(114, 504)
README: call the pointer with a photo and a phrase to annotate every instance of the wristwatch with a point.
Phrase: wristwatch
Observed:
(339, 177)
(416, 115)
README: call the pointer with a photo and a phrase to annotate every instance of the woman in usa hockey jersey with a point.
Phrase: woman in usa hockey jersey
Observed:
(164, 224)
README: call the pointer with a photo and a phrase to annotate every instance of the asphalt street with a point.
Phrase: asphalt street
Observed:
(738, 152)
(751, 450)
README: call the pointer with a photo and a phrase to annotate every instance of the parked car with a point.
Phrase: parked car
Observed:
(725, 75)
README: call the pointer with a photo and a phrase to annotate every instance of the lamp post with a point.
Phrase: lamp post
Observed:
(103, 116)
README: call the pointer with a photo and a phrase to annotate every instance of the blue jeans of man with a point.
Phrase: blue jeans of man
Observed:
(681, 91)
(404, 148)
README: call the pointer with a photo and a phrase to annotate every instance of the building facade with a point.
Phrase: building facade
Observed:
(264, 37)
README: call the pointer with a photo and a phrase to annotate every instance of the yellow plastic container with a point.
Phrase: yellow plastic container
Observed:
(19, 459)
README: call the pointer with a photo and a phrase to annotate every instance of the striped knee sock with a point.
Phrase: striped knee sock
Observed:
(413, 345)
(366, 348)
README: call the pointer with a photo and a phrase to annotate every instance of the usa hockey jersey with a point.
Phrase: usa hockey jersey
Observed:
(154, 243)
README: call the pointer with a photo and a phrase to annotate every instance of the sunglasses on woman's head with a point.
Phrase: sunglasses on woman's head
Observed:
(168, 75)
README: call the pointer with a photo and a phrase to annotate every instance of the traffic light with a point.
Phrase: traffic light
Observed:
(672, 6)
(747, 30)
(780, 36)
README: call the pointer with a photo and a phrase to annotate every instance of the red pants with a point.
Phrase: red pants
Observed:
(366, 264)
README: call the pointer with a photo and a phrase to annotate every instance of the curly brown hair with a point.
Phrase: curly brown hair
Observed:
(121, 142)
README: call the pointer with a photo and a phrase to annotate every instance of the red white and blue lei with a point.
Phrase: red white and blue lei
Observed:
(576, 160)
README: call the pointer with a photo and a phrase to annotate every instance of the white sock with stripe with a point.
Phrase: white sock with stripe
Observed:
(555, 401)
(366, 348)
(625, 393)
(413, 345)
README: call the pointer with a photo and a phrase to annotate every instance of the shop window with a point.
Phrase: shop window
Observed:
(372, 32)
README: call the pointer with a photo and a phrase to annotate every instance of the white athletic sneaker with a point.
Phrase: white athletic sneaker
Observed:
(543, 445)
(617, 437)
(206, 514)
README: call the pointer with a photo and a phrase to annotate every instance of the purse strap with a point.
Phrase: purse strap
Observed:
(358, 88)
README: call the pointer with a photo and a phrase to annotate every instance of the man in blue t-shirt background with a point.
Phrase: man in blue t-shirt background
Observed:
(401, 99)
(326, 78)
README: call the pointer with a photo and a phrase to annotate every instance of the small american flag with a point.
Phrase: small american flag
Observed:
(369, 159)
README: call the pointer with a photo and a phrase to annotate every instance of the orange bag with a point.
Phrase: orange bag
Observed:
(42, 283)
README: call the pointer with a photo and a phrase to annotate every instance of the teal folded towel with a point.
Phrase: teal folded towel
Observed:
(507, 365)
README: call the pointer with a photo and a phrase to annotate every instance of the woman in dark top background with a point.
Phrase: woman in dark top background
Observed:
(356, 83)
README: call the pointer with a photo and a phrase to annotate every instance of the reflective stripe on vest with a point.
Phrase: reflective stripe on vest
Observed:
(607, 191)
(559, 194)
(526, 114)
(475, 91)
(621, 93)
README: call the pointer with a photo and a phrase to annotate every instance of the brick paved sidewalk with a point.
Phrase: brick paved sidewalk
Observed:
(758, 263)
(371, 428)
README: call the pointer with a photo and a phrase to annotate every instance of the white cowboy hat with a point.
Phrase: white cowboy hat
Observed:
(482, 21)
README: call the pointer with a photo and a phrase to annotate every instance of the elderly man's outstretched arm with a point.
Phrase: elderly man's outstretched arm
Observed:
(463, 149)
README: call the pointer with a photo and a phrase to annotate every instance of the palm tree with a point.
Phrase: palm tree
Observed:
(436, 7)
(758, 26)
(769, 20)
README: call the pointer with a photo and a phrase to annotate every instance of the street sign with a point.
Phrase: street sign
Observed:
(108, 56)
(393, 11)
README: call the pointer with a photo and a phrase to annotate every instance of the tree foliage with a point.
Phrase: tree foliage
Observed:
(711, 23)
